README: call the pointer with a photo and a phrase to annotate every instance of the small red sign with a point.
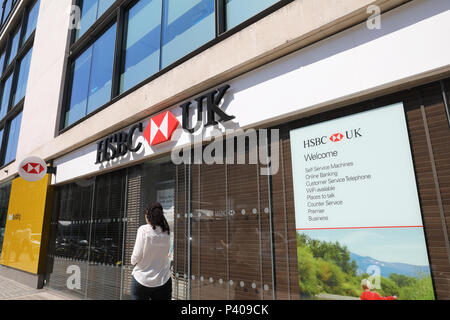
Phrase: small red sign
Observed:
(33, 168)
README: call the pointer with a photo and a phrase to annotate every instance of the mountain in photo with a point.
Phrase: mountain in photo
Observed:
(386, 268)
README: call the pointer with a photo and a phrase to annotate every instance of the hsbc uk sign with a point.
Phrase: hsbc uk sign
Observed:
(161, 127)
(335, 137)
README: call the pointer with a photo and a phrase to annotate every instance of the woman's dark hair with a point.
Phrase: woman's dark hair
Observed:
(156, 217)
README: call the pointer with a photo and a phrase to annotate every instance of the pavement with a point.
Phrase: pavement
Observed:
(12, 290)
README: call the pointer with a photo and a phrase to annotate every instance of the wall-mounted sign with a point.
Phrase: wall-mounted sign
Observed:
(32, 169)
(118, 144)
(357, 209)
(213, 99)
(161, 127)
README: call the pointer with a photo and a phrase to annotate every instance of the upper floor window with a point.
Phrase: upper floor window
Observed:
(152, 35)
(6, 9)
(22, 78)
(6, 91)
(14, 46)
(92, 77)
(142, 43)
(2, 60)
(149, 47)
(32, 20)
(186, 26)
(91, 10)
(237, 11)
(13, 139)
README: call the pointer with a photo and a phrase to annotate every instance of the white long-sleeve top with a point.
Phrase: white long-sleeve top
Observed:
(151, 256)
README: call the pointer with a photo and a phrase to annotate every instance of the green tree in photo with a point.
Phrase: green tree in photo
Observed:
(307, 271)
(326, 267)
(389, 287)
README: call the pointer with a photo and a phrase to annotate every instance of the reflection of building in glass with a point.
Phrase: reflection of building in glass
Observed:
(5, 190)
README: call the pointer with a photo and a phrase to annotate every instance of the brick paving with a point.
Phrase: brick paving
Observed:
(12, 290)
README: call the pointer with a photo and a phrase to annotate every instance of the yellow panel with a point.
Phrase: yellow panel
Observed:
(24, 225)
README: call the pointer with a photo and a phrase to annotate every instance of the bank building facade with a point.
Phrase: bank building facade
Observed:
(297, 147)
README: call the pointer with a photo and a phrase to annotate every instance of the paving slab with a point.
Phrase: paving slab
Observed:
(13, 290)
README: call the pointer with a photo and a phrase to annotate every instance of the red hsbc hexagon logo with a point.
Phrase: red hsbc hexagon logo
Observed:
(160, 128)
(336, 137)
(32, 169)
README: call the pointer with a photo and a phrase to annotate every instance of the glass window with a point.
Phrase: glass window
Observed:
(32, 20)
(78, 99)
(102, 69)
(2, 61)
(5, 191)
(90, 11)
(14, 46)
(186, 26)
(5, 96)
(23, 77)
(13, 138)
(143, 40)
(88, 16)
(103, 5)
(8, 6)
(238, 11)
(92, 77)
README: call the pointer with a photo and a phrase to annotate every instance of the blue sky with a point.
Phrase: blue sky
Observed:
(400, 245)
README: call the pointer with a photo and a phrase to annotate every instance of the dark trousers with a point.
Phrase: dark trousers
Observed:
(140, 292)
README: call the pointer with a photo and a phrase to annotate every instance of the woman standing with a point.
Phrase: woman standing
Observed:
(151, 274)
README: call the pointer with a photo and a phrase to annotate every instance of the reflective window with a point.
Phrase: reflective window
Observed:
(186, 26)
(24, 69)
(6, 91)
(2, 61)
(103, 5)
(5, 191)
(90, 11)
(14, 46)
(102, 69)
(238, 11)
(13, 139)
(92, 76)
(32, 20)
(8, 6)
(143, 40)
(80, 86)
(88, 16)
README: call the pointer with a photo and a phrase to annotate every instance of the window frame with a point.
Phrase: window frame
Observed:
(68, 85)
(117, 13)
(5, 18)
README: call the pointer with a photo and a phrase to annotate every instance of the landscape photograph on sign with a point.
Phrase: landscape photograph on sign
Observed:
(332, 263)
(357, 212)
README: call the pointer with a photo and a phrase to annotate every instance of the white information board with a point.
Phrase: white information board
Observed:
(355, 172)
